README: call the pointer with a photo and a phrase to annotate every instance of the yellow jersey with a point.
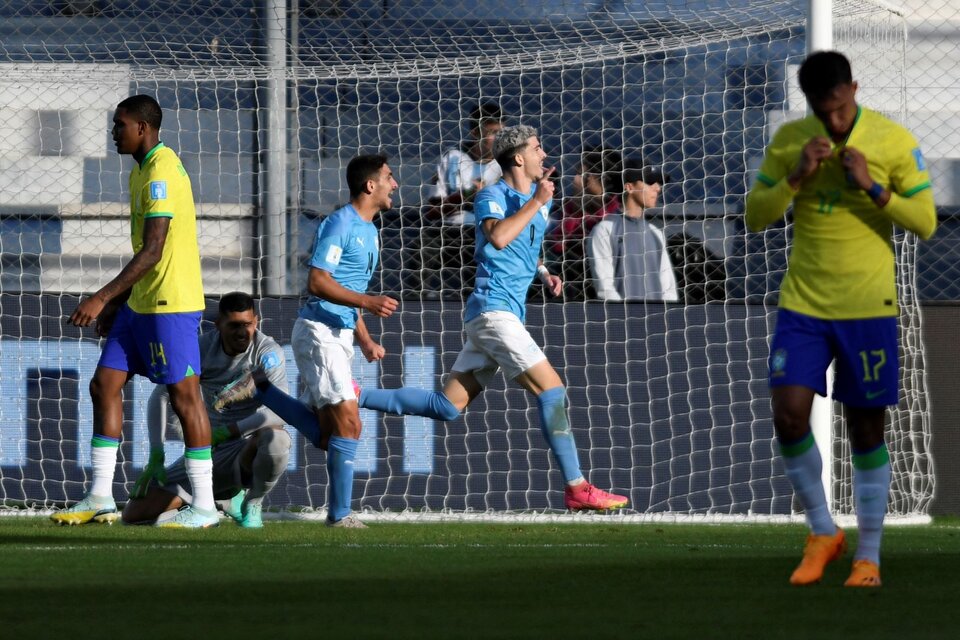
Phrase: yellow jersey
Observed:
(160, 187)
(842, 262)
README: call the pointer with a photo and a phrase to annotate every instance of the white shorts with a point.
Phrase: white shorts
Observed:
(324, 357)
(497, 340)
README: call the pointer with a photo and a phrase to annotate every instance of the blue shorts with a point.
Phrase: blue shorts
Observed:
(867, 358)
(161, 346)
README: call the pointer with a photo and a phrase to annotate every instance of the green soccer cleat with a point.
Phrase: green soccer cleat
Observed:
(234, 508)
(190, 517)
(252, 515)
(92, 508)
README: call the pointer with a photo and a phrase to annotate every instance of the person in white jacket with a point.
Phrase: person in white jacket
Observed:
(627, 253)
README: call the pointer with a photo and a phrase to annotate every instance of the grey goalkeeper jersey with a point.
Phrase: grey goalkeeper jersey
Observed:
(218, 370)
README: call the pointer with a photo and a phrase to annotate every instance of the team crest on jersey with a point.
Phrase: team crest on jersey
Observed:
(778, 363)
(333, 254)
(918, 158)
(158, 190)
(270, 361)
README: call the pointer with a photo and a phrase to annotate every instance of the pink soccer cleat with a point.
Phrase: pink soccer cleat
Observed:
(586, 497)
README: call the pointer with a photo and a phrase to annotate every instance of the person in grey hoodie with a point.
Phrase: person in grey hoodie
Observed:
(628, 257)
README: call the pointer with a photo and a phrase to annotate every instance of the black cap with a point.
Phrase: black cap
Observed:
(634, 170)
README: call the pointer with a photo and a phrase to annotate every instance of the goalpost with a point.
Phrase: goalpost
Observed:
(669, 402)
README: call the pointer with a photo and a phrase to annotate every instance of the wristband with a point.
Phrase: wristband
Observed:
(875, 190)
(544, 273)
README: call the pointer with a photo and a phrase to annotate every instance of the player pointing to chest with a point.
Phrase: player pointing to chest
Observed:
(851, 175)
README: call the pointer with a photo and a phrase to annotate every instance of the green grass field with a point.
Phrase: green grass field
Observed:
(300, 579)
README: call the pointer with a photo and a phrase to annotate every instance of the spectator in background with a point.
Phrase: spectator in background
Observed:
(592, 200)
(628, 256)
(463, 171)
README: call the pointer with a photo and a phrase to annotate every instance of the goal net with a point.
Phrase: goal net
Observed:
(267, 101)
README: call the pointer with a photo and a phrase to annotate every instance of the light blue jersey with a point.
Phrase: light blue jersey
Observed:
(348, 247)
(504, 276)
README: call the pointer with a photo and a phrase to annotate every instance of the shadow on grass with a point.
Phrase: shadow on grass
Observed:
(470, 592)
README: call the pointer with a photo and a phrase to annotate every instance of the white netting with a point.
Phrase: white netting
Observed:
(669, 402)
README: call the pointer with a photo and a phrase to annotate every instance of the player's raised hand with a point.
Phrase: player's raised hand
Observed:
(817, 149)
(382, 306)
(545, 187)
(855, 164)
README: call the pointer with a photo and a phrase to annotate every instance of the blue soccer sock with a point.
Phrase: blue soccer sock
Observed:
(556, 429)
(409, 401)
(340, 456)
(291, 411)
(804, 468)
(871, 487)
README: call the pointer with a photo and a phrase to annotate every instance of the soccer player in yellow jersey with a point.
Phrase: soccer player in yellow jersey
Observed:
(150, 313)
(851, 175)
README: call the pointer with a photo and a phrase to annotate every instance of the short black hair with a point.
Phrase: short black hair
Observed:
(635, 169)
(485, 113)
(822, 72)
(362, 168)
(236, 302)
(605, 163)
(144, 108)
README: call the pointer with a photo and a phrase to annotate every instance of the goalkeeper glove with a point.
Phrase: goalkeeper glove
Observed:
(218, 435)
(153, 470)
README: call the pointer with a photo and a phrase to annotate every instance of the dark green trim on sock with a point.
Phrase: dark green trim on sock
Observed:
(872, 459)
(797, 448)
(198, 453)
(99, 441)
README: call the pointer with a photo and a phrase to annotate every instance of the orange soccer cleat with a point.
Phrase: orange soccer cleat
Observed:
(817, 554)
(865, 574)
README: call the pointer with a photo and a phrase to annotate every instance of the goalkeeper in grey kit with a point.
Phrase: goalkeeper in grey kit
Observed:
(250, 446)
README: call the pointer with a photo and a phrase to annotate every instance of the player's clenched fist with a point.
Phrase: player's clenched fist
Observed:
(814, 152)
(382, 306)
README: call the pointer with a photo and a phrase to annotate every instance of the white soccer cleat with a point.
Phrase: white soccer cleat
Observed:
(90, 509)
(347, 522)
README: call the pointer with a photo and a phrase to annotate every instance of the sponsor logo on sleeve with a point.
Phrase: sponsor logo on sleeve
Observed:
(158, 190)
(496, 208)
(270, 361)
(333, 254)
(918, 158)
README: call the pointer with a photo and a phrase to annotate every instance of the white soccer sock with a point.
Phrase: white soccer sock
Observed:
(104, 460)
(870, 490)
(200, 473)
(804, 472)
